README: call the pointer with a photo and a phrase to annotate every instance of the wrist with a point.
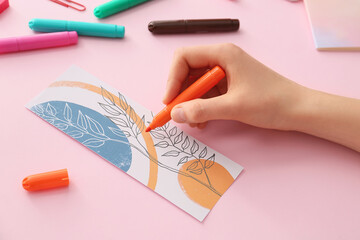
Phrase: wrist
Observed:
(312, 111)
(327, 116)
(300, 109)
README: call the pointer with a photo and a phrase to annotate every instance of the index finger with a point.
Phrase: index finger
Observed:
(188, 58)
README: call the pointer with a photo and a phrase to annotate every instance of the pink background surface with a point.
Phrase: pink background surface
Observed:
(294, 186)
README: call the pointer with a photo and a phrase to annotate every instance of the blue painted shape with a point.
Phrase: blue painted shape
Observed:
(90, 128)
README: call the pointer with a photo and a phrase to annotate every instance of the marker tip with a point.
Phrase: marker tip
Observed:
(148, 129)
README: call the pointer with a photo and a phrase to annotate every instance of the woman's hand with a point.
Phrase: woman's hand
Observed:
(254, 94)
(251, 93)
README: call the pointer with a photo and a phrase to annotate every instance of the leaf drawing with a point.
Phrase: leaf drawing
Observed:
(110, 109)
(210, 161)
(107, 96)
(127, 134)
(95, 126)
(157, 135)
(61, 126)
(91, 128)
(48, 118)
(81, 121)
(135, 129)
(196, 171)
(123, 103)
(183, 160)
(178, 138)
(94, 142)
(118, 121)
(51, 110)
(141, 125)
(67, 113)
(39, 108)
(76, 134)
(186, 143)
(181, 146)
(132, 115)
(51, 121)
(162, 144)
(173, 131)
(172, 153)
(203, 153)
(194, 147)
(117, 132)
(192, 166)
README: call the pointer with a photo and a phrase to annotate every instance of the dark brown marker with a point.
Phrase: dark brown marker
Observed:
(194, 26)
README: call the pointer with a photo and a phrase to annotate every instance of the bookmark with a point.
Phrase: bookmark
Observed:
(180, 168)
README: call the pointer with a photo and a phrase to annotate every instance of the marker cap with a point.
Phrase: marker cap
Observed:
(47, 180)
(4, 4)
(115, 6)
(110, 8)
(73, 37)
(119, 31)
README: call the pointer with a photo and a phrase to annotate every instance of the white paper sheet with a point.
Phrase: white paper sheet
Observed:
(167, 160)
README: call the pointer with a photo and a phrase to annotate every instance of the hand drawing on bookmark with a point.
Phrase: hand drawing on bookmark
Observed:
(167, 160)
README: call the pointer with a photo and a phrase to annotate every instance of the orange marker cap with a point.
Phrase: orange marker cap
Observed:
(41, 181)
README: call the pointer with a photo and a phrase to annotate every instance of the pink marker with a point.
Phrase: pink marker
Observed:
(38, 41)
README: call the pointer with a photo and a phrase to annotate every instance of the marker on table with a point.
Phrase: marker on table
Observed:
(46, 40)
(194, 26)
(196, 90)
(47, 180)
(115, 6)
(74, 5)
(82, 28)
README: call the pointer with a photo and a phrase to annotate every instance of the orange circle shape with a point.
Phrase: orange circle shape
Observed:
(219, 177)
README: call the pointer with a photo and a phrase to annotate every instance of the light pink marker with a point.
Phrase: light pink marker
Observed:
(38, 41)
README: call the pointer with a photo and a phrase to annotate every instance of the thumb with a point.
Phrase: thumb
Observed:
(200, 110)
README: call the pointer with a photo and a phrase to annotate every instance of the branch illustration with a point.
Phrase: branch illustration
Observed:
(162, 133)
(125, 117)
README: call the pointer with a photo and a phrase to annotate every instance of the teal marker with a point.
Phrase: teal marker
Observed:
(82, 28)
(115, 6)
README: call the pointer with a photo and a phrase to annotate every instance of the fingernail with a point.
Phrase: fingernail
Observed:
(178, 115)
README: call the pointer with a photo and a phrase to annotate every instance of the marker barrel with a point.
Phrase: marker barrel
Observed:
(115, 6)
(196, 90)
(47, 40)
(82, 28)
(193, 26)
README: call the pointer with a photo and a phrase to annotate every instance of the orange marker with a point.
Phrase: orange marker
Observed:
(196, 90)
(41, 181)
